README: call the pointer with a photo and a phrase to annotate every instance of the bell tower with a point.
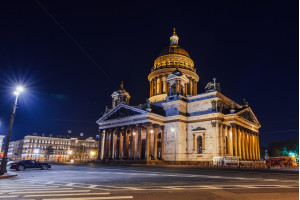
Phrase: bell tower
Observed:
(120, 96)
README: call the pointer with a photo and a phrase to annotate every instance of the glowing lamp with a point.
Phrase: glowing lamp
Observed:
(36, 151)
(20, 89)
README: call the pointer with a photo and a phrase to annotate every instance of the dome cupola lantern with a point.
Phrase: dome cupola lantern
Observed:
(174, 39)
(171, 58)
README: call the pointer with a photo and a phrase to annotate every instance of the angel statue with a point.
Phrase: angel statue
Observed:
(213, 86)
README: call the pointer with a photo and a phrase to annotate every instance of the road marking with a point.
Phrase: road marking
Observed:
(54, 195)
(92, 186)
(26, 189)
(50, 182)
(90, 198)
(9, 196)
(70, 184)
(57, 191)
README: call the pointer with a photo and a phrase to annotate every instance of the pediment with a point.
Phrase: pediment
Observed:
(248, 115)
(121, 111)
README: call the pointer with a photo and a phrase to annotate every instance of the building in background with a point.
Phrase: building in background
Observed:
(14, 150)
(55, 149)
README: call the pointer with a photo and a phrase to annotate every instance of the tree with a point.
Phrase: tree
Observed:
(284, 151)
(279, 148)
(49, 151)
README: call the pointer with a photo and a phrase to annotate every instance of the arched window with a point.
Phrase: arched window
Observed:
(199, 145)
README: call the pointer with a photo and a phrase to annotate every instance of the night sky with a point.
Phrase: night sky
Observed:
(71, 66)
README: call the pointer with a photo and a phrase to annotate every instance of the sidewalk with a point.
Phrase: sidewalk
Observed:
(8, 175)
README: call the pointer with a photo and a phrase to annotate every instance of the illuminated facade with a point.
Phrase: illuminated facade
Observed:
(34, 147)
(177, 124)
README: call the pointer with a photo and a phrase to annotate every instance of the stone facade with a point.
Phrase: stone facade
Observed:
(177, 124)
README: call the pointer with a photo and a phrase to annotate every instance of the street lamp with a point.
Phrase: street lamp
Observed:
(93, 153)
(18, 90)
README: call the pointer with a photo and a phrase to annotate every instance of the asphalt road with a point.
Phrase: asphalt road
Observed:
(83, 182)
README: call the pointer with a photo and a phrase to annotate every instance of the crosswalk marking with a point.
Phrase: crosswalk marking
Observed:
(122, 188)
(30, 189)
(62, 190)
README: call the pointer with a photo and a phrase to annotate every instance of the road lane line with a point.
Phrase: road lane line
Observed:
(57, 191)
(91, 198)
(77, 194)
(10, 196)
(40, 189)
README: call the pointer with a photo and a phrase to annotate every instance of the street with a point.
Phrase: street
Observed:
(91, 181)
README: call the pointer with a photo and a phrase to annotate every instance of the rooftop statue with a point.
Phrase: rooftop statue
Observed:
(213, 86)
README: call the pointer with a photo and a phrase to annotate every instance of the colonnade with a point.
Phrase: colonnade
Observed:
(127, 142)
(235, 140)
(158, 85)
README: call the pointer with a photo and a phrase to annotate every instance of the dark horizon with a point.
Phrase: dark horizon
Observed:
(251, 47)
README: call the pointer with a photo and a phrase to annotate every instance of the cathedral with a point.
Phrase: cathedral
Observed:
(177, 124)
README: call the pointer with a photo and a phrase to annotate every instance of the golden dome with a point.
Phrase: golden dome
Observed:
(174, 50)
(174, 56)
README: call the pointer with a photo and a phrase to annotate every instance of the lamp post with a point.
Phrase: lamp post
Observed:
(12, 116)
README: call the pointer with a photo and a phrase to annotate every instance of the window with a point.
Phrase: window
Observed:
(173, 89)
(199, 145)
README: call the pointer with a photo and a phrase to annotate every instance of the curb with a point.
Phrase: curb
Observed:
(8, 175)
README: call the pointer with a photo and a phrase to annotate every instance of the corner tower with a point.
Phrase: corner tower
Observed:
(170, 59)
(120, 96)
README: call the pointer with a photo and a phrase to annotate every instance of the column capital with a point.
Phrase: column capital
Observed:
(220, 124)
(214, 123)
(155, 125)
(241, 128)
(132, 127)
(234, 125)
(100, 130)
(139, 125)
(148, 124)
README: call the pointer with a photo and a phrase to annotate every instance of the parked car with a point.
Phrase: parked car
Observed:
(9, 163)
(26, 164)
